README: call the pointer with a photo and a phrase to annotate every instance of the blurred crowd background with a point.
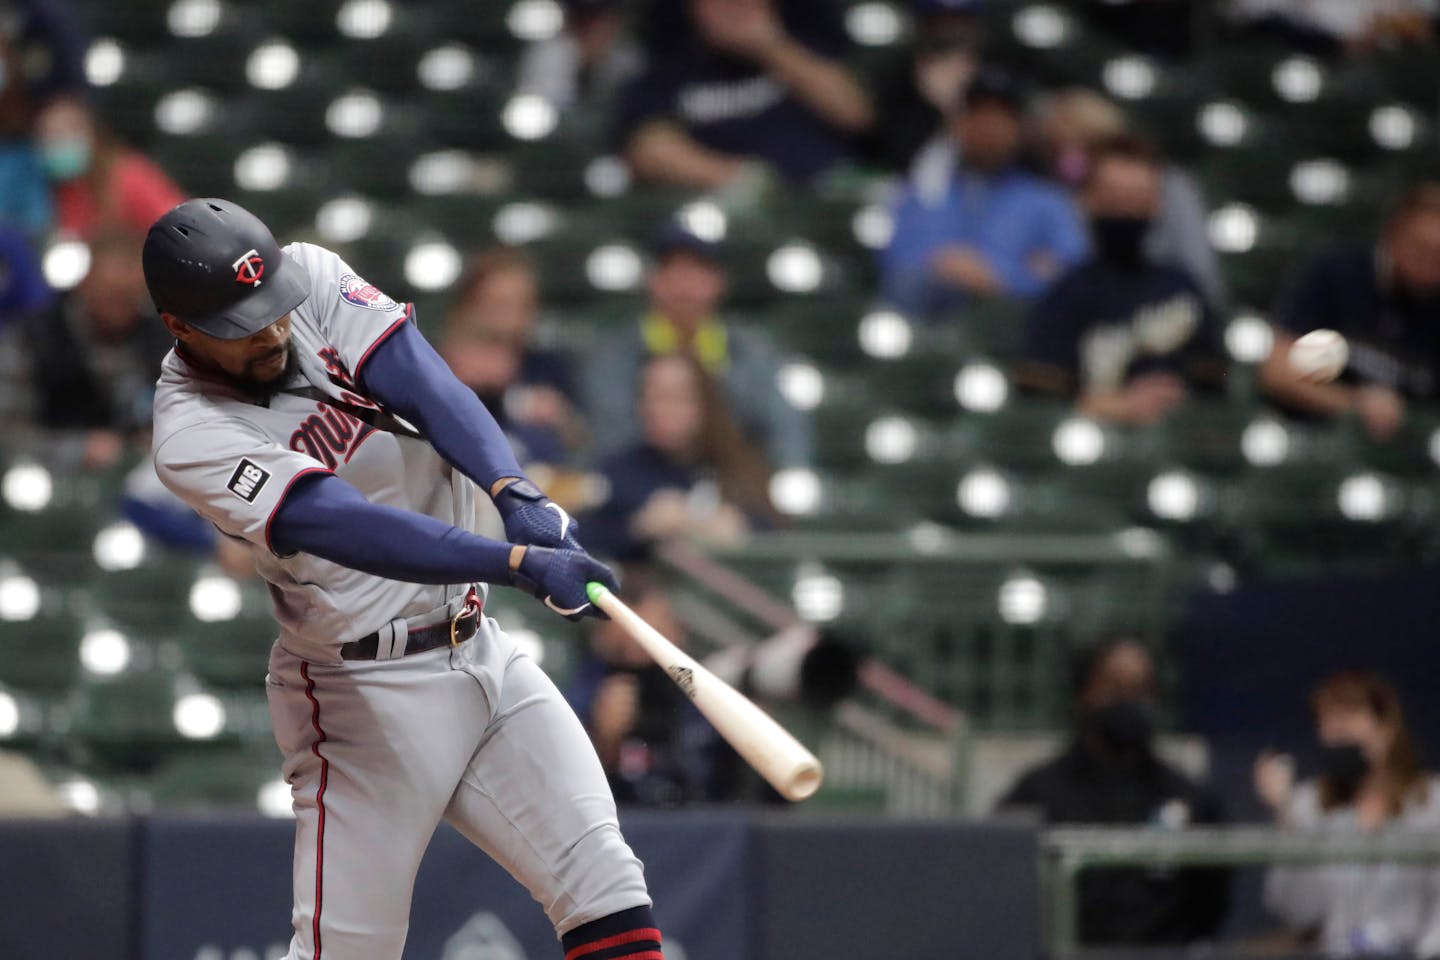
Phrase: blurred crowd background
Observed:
(944, 340)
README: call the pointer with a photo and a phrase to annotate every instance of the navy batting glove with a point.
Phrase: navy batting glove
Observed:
(531, 517)
(558, 578)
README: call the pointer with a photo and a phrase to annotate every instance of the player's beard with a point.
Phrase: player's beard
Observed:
(264, 389)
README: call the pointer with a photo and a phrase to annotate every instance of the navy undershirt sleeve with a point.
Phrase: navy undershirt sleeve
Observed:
(409, 378)
(327, 517)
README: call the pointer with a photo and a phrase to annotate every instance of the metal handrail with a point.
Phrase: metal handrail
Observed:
(1123, 547)
(1066, 851)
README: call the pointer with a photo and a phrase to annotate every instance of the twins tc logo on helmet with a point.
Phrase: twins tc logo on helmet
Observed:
(361, 293)
(249, 268)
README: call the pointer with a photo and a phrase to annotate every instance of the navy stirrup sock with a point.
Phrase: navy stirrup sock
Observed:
(627, 935)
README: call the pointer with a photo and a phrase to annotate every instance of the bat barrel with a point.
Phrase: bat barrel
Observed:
(769, 748)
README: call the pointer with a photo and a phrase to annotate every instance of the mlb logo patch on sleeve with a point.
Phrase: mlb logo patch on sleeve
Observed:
(362, 293)
(247, 481)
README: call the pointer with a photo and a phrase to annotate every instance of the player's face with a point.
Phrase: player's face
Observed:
(258, 360)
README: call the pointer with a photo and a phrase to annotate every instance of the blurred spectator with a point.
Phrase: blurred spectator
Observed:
(165, 519)
(588, 62)
(95, 357)
(24, 188)
(23, 290)
(1369, 781)
(922, 83)
(1328, 27)
(1124, 335)
(743, 87)
(489, 342)
(686, 286)
(23, 293)
(657, 750)
(1071, 122)
(1385, 299)
(992, 230)
(1110, 774)
(50, 43)
(1161, 28)
(100, 184)
(691, 475)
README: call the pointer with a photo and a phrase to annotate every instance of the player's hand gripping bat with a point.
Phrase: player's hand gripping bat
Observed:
(774, 754)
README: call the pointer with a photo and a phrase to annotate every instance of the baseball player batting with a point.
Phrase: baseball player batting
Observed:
(303, 414)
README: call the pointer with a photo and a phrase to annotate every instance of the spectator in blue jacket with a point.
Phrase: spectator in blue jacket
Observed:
(994, 230)
(24, 187)
(1127, 336)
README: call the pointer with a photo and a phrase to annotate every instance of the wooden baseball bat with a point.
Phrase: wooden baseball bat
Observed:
(786, 765)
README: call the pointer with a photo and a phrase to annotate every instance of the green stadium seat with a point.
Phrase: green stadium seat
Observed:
(1204, 437)
(1017, 437)
(468, 119)
(40, 654)
(311, 23)
(141, 23)
(214, 776)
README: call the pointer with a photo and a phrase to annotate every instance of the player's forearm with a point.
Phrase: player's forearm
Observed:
(326, 517)
(825, 87)
(409, 377)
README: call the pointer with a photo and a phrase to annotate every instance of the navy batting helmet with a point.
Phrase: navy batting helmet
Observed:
(214, 265)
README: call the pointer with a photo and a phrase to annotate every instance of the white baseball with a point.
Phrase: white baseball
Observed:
(1319, 356)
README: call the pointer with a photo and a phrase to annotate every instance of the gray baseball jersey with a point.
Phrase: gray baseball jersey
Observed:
(233, 459)
(377, 752)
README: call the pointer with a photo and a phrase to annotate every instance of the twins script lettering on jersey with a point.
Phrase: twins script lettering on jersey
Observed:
(329, 435)
(340, 376)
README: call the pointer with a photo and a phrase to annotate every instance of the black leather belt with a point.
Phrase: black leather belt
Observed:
(452, 632)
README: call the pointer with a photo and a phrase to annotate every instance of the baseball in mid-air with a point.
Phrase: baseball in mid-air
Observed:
(1320, 355)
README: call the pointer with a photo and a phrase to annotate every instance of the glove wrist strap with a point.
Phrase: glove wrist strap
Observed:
(517, 487)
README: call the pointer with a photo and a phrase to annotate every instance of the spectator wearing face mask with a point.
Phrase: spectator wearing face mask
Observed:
(1110, 775)
(1127, 337)
(99, 184)
(1070, 124)
(1369, 781)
